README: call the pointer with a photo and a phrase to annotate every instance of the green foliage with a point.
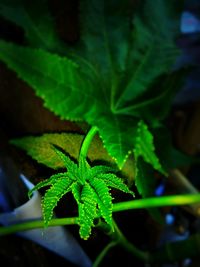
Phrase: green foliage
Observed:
(90, 188)
(34, 17)
(41, 149)
(109, 79)
(144, 147)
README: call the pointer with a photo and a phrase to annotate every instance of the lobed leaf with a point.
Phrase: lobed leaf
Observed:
(118, 64)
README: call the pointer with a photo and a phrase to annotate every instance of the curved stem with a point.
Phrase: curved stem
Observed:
(5, 230)
(103, 253)
(123, 242)
(118, 237)
(86, 142)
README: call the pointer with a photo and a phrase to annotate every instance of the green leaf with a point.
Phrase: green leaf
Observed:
(105, 35)
(87, 211)
(116, 59)
(153, 50)
(47, 182)
(52, 196)
(41, 149)
(66, 89)
(117, 134)
(145, 179)
(144, 147)
(99, 169)
(86, 200)
(113, 181)
(34, 17)
(76, 191)
(158, 97)
(104, 199)
(72, 167)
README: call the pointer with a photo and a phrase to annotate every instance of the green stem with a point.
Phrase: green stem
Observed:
(103, 253)
(118, 237)
(175, 200)
(125, 244)
(86, 142)
(35, 224)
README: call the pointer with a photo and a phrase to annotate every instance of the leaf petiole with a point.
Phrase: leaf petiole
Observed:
(86, 143)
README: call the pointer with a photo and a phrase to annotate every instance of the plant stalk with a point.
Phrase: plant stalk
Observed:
(86, 142)
(11, 229)
(174, 200)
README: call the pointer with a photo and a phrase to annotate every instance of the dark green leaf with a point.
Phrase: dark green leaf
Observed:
(156, 24)
(34, 17)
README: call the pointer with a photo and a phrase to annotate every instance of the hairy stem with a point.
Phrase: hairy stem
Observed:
(86, 142)
(35, 224)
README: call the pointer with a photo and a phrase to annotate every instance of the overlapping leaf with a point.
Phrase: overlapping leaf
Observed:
(40, 148)
(121, 57)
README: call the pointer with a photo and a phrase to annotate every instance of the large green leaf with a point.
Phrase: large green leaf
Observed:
(105, 35)
(114, 68)
(152, 48)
